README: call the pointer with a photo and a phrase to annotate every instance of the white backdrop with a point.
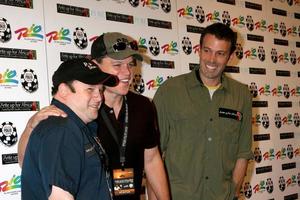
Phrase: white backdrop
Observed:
(36, 36)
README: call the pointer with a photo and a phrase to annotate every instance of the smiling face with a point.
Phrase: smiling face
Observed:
(85, 100)
(214, 55)
(123, 69)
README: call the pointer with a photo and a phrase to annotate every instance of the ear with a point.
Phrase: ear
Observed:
(231, 56)
(63, 90)
(199, 51)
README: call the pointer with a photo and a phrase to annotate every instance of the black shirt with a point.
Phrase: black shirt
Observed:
(142, 134)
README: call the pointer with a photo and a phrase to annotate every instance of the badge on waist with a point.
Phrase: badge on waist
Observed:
(123, 181)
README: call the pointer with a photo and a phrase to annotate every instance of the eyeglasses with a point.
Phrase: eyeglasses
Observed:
(121, 46)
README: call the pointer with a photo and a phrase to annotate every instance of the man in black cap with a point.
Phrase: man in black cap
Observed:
(63, 159)
(127, 120)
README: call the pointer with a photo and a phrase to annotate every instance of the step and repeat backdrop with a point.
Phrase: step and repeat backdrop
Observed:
(36, 36)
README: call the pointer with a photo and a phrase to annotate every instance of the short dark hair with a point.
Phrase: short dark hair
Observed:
(54, 89)
(222, 32)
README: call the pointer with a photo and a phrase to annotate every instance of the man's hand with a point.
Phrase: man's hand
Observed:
(32, 123)
(43, 114)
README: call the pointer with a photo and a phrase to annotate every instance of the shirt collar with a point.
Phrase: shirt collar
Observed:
(194, 80)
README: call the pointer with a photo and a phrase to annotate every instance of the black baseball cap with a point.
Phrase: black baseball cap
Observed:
(115, 45)
(83, 70)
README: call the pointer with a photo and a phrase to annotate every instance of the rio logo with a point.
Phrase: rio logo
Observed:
(8, 77)
(33, 31)
(13, 183)
(186, 12)
(170, 48)
(155, 83)
(61, 35)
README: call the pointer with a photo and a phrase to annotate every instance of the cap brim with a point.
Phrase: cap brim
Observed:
(101, 78)
(125, 54)
(110, 80)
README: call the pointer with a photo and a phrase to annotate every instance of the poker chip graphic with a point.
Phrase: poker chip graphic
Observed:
(165, 5)
(186, 45)
(257, 155)
(274, 55)
(226, 18)
(80, 38)
(281, 183)
(249, 23)
(154, 46)
(286, 91)
(290, 151)
(138, 83)
(265, 120)
(200, 15)
(239, 51)
(5, 30)
(29, 80)
(253, 89)
(8, 134)
(277, 120)
(134, 3)
(247, 190)
(282, 29)
(261, 53)
(289, 2)
(296, 119)
(293, 57)
(269, 185)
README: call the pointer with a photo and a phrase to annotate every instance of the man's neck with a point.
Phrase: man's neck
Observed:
(210, 82)
(114, 101)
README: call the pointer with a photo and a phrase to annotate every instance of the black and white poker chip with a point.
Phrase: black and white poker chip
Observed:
(290, 151)
(249, 23)
(253, 89)
(282, 29)
(277, 120)
(29, 80)
(269, 185)
(286, 90)
(8, 134)
(247, 190)
(274, 55)
(226, 18)
(265, 120)
(257, 155)
(261, 53)
(80, 38)
(289, 2)
(134, 3)
(200, 15)
(281, 183)
(296, 119)
(186, 45)
(239, 52)
(165, 5)
(138, 83)
(293, 57)
(154, 46)
(5, 30)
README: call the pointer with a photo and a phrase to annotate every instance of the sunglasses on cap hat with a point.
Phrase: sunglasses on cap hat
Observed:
(122, 45)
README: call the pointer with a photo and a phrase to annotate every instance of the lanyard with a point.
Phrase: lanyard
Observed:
(125, 135)
(122, 146)
(103, 157)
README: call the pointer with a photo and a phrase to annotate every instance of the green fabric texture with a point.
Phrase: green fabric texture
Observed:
(201, 148)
